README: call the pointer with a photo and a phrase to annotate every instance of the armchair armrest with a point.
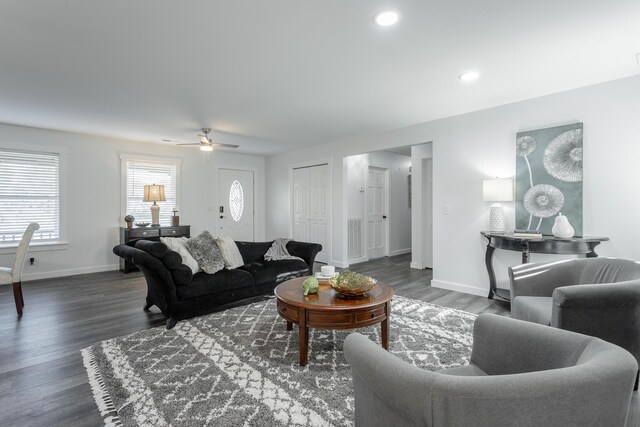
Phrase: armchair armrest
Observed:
(503, 346)
(610, 311)
(304, 250)
(541, 279)
(386, 386)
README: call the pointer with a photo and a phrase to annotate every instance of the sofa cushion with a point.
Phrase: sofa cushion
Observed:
(177, 244)
(532, 309)
(276, 271)
(253, 251)
(223, 280)
(230, 253)
(205, 250)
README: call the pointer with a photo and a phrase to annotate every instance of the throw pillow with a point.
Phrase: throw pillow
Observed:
(230, 252)
(204, 249)
(176, 244)
(278, 250)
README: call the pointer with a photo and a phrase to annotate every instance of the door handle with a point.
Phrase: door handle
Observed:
(384, 217)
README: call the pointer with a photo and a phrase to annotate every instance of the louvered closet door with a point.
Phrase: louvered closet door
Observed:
(318, 215)
(310, 207)
(301, 204)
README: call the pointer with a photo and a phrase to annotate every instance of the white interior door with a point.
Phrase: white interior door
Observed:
(318, 215)
(376, 217)
(301, 204)
(235, 193)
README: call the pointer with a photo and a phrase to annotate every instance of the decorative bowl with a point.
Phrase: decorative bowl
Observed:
(142, 224)
(352, 284)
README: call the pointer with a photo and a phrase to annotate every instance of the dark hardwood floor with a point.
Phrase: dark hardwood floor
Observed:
(42, 379)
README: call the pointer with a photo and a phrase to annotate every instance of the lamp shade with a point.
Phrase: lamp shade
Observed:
(497, 190)
(154, 193)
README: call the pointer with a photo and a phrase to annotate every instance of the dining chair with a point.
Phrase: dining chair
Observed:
(13, 275)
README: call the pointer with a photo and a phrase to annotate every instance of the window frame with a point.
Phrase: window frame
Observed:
(62, 242)
(124, 158)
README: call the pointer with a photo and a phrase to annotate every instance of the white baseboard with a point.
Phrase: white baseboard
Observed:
(358, 260)
(340, 264)
(416, 265)
(466, 289)
(69, 272)
(400, 252)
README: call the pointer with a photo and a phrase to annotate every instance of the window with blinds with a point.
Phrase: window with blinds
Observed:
(29, 192)
(140, 173)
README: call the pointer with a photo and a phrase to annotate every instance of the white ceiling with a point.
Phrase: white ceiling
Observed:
(277, 74)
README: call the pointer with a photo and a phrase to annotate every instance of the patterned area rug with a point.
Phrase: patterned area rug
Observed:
(240, 367)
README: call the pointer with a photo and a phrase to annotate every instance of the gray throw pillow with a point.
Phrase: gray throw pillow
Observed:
(205, 251)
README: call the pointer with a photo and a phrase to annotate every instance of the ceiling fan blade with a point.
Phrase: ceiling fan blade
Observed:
(224, 145)
(190, 143)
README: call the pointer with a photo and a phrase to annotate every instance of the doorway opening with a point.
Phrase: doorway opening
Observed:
(378, 204)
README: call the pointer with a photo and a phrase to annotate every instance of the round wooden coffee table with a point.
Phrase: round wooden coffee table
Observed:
(328, 310)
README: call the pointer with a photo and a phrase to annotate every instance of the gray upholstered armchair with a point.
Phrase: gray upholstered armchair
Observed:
(521, 374)
(593, 296)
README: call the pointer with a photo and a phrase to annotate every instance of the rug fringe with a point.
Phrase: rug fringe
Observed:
(98, 387)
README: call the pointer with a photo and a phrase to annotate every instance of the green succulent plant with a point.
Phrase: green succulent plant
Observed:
(129, 218)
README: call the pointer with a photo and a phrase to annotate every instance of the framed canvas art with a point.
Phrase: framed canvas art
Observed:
(549, 177)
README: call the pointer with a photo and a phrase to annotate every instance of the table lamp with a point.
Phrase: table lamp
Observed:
(496, 191)
(154, 193)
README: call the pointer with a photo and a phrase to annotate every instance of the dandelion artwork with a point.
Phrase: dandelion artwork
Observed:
(549, 177)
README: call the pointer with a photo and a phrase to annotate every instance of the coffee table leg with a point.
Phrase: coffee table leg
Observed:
(304, 336)
(385, 327)
(289, 326)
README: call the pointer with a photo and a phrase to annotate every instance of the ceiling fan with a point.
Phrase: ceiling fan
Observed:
(206, 143)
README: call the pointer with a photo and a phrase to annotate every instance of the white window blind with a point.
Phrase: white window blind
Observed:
(29, 192)
(141, 173)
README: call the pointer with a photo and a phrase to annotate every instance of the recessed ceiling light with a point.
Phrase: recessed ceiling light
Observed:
(469, 76)
(386, 18)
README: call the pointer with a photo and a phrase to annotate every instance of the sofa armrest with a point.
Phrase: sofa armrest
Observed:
(304, 250)
(503, 346)
(385, 386)
(159, 280)
(540, 280)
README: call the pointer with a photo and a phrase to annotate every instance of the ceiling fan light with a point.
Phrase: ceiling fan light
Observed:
(206, 148)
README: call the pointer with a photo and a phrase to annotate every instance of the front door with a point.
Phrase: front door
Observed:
(235, 192)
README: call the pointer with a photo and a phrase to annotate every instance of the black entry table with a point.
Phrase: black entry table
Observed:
(543, 245)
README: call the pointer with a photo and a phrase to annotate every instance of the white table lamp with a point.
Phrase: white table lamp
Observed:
(154, 193)
(497, 190)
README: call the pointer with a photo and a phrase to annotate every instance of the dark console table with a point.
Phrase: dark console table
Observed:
(134, 233)
(544, 245)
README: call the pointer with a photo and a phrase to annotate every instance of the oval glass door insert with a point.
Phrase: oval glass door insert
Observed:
(236, 200)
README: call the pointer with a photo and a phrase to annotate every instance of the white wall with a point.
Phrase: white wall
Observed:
(93, 188)
(399, 214)
(479, 145)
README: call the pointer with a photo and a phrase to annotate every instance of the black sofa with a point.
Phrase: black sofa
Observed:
(180, 294)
